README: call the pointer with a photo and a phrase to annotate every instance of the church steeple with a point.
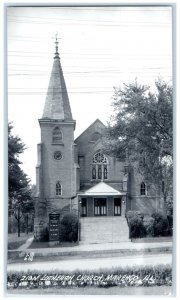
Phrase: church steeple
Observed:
(57, 105)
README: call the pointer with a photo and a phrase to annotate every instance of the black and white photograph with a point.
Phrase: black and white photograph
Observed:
(90, 101)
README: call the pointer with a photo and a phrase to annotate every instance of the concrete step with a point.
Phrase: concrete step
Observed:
(97, 230)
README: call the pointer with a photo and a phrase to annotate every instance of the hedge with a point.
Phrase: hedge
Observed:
(161, 224)
(131, 276)
(69, 228)
(149, 226)
(135, 223)
(155, 225)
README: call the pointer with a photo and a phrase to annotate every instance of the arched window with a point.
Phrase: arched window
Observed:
(93, 172)
(56, 135)
(99, 166)
(143, 189)
(105, 171)
(58, 189)
(95, 136)
(99, 172)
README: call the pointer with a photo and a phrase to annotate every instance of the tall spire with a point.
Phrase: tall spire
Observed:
(57, 101)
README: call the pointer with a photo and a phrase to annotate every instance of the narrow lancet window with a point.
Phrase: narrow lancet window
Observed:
(56, 136)
(58, 189)
(143, 189)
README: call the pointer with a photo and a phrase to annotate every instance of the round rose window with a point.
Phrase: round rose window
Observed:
(57, 155)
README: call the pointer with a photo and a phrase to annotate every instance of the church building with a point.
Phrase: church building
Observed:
(75, 176)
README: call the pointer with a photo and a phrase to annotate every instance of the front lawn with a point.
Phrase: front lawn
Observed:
(14, 242)
(37, 245)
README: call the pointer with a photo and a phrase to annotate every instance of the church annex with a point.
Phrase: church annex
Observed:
(75, 176)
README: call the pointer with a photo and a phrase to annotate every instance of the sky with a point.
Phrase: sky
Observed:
(99, 48)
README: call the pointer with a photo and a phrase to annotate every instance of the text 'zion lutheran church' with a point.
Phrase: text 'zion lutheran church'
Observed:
(75, 176)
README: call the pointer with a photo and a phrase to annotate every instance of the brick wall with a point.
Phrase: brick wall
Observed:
(149, 203)
(86, 150)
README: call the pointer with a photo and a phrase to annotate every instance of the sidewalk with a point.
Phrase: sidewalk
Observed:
(94, 249)
(89, 263)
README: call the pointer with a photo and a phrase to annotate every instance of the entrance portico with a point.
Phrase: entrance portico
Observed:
(102, 200)
(102, 215)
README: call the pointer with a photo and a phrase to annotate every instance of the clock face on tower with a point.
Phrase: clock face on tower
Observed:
(57, 155)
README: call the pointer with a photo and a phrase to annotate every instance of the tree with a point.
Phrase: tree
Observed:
(141, 130)
(20, 198)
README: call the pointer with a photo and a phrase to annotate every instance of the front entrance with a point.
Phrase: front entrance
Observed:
(117, 206)
(84, 207)
(100, 206)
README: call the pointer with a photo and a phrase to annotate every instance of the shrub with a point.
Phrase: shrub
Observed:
(136, 226)
(134, 213)
(170, 220)
(161, 225)
(149, 226)
(69, 228)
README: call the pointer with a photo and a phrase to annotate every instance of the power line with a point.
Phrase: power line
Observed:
(48, 67)
(36, 93)
(86, 20)
(102, 75)
(72, 88)
(90, 53)
(66, 19)
(69, 92)
(82, 58)
(87, 24)
(94, 71)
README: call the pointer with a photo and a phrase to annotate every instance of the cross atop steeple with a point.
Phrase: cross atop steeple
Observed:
(56, 47)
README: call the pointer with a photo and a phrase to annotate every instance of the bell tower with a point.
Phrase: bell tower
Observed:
(55, 170)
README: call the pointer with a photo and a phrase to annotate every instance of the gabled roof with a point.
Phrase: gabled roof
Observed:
(57, 102)
(102, 189)
(97, 121)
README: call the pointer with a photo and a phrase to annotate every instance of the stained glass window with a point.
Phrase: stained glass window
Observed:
(99, 172)
(94, 172)
(99, 158)
(99, 166)
(58, 189)
(105, 171)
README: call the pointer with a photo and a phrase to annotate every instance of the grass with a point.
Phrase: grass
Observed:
(37, 245)
(14, 242)
(115, 290)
